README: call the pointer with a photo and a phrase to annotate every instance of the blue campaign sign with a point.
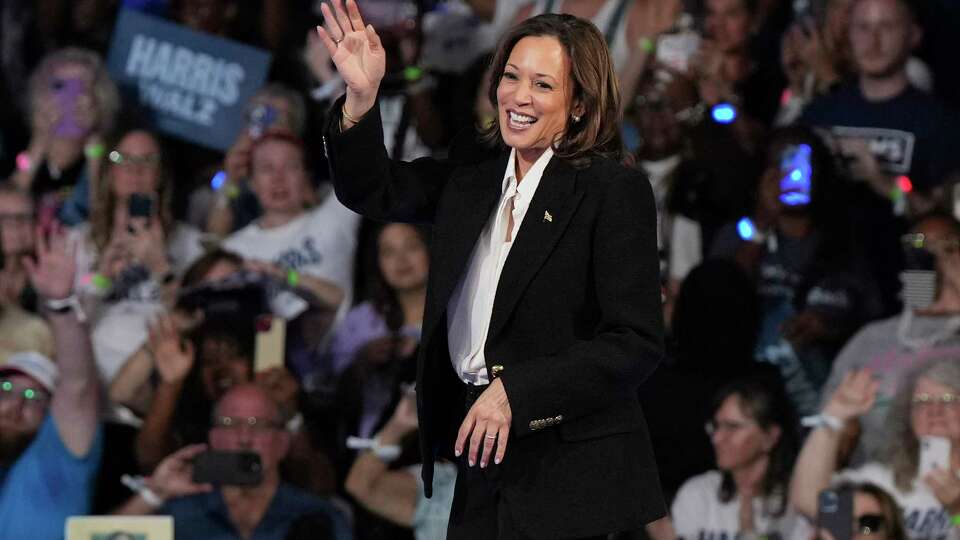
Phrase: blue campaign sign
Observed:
(195, 85)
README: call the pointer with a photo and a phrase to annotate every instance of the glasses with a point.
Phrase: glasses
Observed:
(933, 245)
(868, 524)
(250, 422)
(130, 160)
(924, 398)
(713, 427)
(31, 396)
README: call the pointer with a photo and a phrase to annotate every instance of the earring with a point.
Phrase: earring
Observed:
(576, 119)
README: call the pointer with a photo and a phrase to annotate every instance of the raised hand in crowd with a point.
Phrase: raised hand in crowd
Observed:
(53, 272)
(854, 397)
(173, 477)
(173, 356)
(358, 54)
(147, 245)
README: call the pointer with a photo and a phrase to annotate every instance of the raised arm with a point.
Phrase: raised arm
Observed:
(365, 179)
(818, 458)
(76, 398)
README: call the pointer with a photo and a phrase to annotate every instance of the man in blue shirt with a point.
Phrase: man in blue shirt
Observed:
(244, 419)
(50, 436)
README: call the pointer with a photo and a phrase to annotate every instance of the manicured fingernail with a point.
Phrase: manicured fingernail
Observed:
(458, 451)
(472, 463)
(496, 460)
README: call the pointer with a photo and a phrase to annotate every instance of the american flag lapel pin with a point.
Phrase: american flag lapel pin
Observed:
(547, 217)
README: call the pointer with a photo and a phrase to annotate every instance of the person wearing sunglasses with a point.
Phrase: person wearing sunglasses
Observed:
(753, 432)
(875, 514)
(926, 404)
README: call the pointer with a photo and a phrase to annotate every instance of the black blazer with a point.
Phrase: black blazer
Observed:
(576, 323)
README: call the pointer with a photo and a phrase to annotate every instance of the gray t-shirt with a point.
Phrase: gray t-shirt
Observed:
(877, 347)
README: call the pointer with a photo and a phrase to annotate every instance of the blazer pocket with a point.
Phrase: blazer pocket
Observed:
(621, 418)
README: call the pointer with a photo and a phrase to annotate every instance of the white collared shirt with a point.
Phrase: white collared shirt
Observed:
(470, 306)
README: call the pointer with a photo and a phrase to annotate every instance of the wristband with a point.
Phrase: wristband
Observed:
(24, 161)
(63, 305)
(94, 150)
(823, 420)
(955, 520)
(101, 282)
(293, 278)
(646, 44)
(138, 485)
(412, 74)
(386, 453)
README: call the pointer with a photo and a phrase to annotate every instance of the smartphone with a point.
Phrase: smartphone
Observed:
(795, 184)
(260, 118)
(140, 206)
(934, 454)
(919, 275)
(228, 468)
(270, 343)
(835, 513)
(65, 94)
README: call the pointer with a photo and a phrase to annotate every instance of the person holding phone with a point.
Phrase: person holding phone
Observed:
(813, 290)
(873, 512)
(926, 404)
(131, 251)
(543, 307)
(245, 420)
(73, 104)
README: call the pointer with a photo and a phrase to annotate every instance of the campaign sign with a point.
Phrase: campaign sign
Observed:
(195, 85)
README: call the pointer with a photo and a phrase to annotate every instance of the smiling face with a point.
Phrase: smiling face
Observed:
(279, 177)
(738, 441)
(938, 415)
(403, 257)
(534, 95)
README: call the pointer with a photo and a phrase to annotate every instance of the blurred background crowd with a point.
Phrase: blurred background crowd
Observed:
(805, 159)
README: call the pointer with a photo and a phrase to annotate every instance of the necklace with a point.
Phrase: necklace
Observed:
(949, 329)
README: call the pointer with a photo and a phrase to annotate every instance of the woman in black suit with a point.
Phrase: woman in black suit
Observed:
(543, 303)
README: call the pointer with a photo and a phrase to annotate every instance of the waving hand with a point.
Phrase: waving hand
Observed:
(356, 51)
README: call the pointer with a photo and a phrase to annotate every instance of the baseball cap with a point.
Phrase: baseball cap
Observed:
(35, 365)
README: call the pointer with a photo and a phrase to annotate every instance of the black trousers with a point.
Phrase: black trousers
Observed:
(478, 512)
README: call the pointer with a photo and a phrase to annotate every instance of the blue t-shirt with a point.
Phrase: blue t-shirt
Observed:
(911, 134)
(206, 516)
(46, 485)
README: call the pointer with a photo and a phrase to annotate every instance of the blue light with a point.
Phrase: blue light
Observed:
(795, 185)
(723, 113)
(796, 175)
(218, 180)
(746, 229)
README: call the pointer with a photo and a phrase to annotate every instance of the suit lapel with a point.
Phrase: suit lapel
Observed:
(455, 239)
(547, 217)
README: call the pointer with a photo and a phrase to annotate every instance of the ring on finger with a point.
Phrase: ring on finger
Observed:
(489, 436)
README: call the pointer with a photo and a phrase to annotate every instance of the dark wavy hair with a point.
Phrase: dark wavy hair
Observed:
(593, 80)
(764, 399)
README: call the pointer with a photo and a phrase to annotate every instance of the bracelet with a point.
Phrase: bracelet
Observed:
(823, 420)
(955, 520)
(386, 453)
(412, 74)
(138, 485)
(63, 305)
(24, 161)
(348, 118)
(293, 278)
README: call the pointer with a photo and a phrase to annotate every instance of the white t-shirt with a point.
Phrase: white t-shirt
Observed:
(698, 514)
(119, 327)
(321, 243)
(923, 515)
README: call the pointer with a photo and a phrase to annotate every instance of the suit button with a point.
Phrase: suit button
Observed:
(495, 370)
(559, 418)
(534, 425)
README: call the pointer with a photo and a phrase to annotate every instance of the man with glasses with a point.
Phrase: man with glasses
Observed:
(50, 435)
(245, 419)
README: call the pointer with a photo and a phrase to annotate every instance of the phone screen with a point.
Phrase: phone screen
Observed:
(795, 185)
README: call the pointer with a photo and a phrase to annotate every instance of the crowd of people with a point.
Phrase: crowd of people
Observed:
(161, 301)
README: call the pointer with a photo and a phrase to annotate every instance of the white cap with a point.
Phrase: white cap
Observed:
(35, 365)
